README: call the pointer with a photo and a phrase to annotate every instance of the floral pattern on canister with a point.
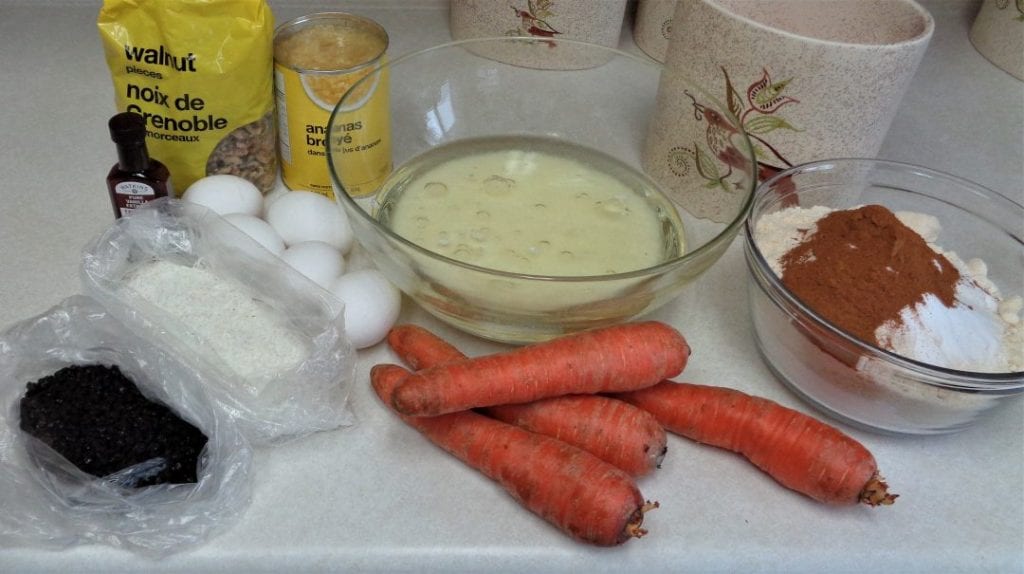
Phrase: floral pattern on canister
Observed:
(1004, 4)
(534, 20)
(717, 157)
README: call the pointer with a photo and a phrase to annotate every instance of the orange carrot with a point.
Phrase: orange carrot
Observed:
(799, 451)
(577, 492)
(419, 348)
(614, 431)
(612, 359)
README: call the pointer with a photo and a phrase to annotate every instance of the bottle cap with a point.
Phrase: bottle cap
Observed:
(127, 128)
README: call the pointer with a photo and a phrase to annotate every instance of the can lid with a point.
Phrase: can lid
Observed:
(127, 128)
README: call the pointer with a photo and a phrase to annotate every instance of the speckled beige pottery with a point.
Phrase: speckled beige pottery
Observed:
(998, 33)
(806, 80)
(653, 26)
(592, 21)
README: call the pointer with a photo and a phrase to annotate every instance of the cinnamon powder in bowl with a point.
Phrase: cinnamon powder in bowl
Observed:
(876, 293)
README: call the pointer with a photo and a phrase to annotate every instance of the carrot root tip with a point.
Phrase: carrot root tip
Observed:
(661, 457)
(876, 492)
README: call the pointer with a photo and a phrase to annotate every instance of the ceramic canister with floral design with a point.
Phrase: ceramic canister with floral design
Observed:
(804, 79)
(592, 21)
(653, 26)
(998, 34)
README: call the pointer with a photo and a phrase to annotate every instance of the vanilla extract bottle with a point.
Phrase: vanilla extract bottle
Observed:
(136, 178)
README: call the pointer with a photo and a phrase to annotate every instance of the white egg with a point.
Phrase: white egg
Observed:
(317, 260)
(372, 305)
(306, 216)
(259, 230)
(225, 194)
(271, 197)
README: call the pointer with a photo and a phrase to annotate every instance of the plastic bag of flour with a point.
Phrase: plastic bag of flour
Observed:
(49, 502)
(271, 342)
(201, 73)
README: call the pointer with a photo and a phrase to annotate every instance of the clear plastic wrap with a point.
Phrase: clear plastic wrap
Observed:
(271, 407)
(48, 502)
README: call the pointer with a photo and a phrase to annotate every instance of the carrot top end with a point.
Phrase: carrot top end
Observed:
(876, 492)
(634, 527)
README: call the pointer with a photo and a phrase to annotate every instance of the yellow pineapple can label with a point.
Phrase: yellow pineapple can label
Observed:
(317, 59)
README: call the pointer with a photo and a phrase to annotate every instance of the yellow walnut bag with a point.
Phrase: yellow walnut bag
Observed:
(201, 73)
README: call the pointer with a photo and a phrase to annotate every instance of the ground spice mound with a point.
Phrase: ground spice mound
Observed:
(861, 267)
(98, 419)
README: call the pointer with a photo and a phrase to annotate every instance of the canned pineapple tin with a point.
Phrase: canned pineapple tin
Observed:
(317, 58)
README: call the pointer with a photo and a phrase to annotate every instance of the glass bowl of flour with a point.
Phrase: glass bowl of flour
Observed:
(888, 295)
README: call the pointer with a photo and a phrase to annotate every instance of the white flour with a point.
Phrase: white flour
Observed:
(249, 336)
(982, 332)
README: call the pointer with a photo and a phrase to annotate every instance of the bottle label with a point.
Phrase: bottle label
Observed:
(134, 188)
(132, 194)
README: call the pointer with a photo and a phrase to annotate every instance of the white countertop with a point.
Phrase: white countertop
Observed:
(378, 497)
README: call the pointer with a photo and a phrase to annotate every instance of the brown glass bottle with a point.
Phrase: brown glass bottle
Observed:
(136, 178)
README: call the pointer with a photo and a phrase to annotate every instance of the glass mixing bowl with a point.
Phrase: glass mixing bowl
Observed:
(546, 91)
(850, 379)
